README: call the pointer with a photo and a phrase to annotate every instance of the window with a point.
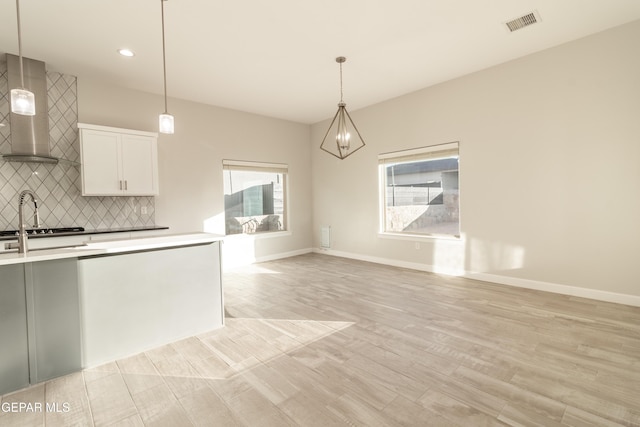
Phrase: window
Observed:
(419, 191)
(254, 197)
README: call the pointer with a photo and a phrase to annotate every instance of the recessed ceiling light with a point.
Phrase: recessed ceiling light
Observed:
(126, 52)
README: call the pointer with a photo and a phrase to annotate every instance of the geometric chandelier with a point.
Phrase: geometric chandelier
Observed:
(344, 138)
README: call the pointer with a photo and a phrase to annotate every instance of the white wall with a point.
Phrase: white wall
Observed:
(550, 168)
(549, 178)
(190, 162)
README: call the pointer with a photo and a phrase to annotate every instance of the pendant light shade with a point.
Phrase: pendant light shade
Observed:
(342, 138)
(23, 101)
(165, 119)
(166, 123)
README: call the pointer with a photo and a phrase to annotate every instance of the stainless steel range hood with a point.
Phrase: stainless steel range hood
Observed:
(30, 134)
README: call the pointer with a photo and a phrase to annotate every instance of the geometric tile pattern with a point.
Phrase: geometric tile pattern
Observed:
(63, 116)
(5, 144)
(58, 186)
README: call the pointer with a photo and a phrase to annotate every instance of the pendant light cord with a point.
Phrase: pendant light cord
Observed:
(164, 61)
(20, 45)
(340, 60)
(341, 101)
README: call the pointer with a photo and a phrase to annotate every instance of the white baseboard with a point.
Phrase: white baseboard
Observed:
(284, 255)
(378, 260)
(556, 288)
(595, 294)
(228, 264)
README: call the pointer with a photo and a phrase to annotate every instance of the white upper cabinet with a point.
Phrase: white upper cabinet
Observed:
(118, 162)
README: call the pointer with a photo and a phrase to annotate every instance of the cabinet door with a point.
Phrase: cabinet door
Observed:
(14, 353)
(100, 163)
(139, 160)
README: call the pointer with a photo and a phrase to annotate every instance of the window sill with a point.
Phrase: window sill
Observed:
(257, 236)
(419, 237)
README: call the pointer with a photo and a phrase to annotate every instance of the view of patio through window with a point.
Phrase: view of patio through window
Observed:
(420, 191)
(254, 197)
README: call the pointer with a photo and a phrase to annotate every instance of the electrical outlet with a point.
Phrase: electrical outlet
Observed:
(143, 210)
(417, 245)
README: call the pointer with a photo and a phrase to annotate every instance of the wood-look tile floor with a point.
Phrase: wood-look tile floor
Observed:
(316, 340)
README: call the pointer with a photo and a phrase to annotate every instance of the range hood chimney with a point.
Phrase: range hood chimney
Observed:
(30, 134)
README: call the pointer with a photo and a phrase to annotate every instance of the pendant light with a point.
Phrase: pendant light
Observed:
(166, 119)
(347, 139)
(23, 101)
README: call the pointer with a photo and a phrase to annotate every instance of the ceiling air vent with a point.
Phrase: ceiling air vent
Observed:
(523, 21)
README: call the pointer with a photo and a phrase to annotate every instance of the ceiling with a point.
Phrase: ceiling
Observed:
(277, 58)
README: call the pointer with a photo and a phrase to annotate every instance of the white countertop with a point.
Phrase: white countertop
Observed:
(92, 248)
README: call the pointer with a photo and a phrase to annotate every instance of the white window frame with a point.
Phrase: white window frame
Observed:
(252, 166)
(415, 154)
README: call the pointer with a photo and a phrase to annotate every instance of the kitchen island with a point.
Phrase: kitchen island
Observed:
(65, 309)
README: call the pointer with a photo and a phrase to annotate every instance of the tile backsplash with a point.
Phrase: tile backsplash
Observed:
(58, 186)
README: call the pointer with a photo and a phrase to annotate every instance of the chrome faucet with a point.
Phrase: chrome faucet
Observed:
(22, 233)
